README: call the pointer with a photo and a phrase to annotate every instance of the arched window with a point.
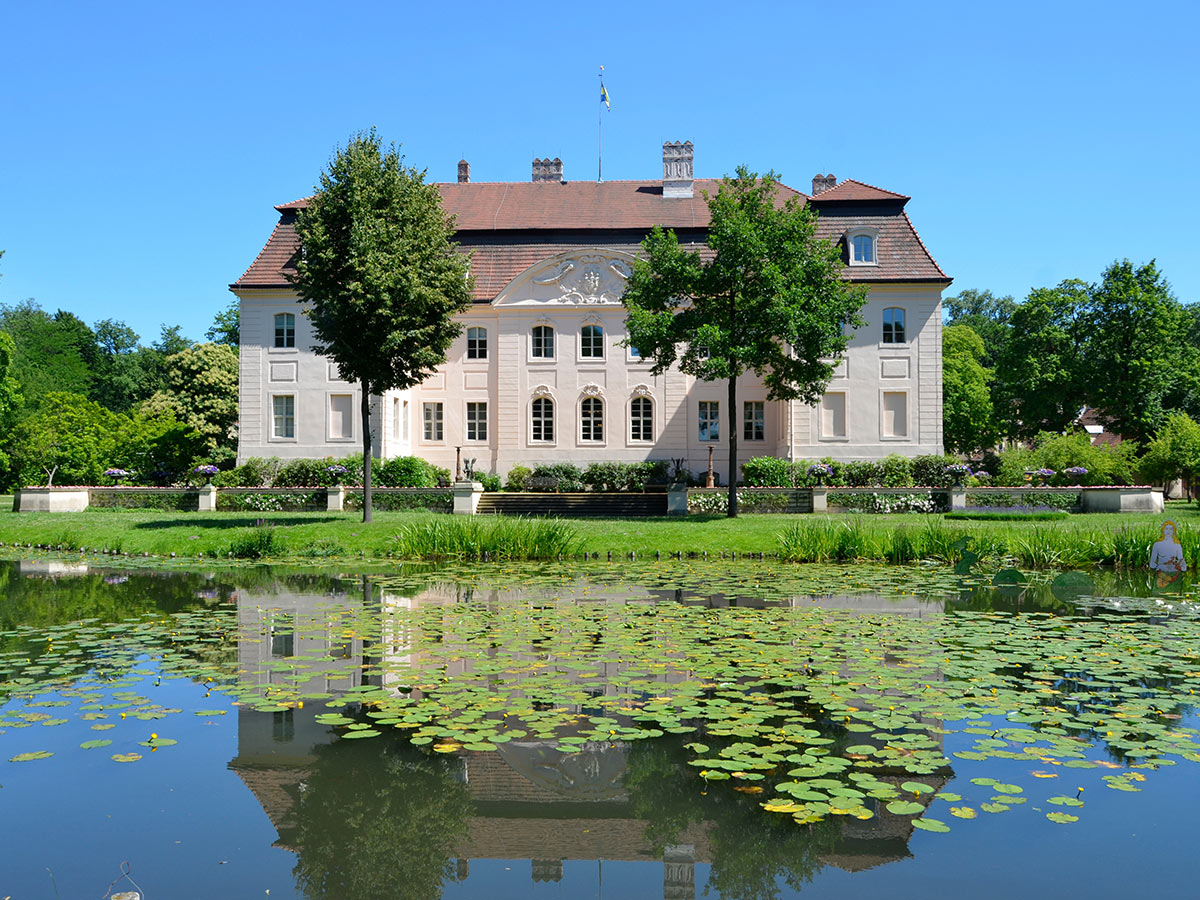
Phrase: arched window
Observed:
(641, 419)
(862, 249)
(893, 325)
(591, 419)
(543, 419)
(476, 343)
(591, 342)
(285, 330)
(543, 342)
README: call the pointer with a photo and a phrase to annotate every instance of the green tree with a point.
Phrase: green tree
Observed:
(966, 398)
(985, 314)
(202, 392)
(68, 436)
(1136, 332)
(226, 326)
(47, 354)
(379, 274)
(10, 404)
(771, 299)
(125, 373)
(1174, 451)
(1042, 369)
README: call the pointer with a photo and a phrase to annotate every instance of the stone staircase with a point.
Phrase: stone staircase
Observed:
(594, 505)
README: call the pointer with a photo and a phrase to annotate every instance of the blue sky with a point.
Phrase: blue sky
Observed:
(146, 144)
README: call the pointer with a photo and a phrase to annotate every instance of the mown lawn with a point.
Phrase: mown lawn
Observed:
(319, 535)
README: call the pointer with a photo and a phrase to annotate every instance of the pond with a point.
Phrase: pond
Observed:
(673, 730)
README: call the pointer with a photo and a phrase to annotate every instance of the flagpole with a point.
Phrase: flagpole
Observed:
(600, 133)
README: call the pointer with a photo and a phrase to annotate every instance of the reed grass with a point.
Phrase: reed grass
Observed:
(492, 538)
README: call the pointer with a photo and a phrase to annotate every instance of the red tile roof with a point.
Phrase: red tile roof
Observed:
(509, 226)
(851, 190)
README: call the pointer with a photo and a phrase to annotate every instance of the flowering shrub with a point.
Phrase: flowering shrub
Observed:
(886, 503)
(717, 503)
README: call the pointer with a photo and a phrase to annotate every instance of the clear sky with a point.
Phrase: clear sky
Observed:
(145, 144)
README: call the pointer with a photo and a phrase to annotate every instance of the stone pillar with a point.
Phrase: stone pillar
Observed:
(679, 872)
(335, 498)
(466, 497)
(677, 500)
(208, 498)
(958, 497)
(820, 499)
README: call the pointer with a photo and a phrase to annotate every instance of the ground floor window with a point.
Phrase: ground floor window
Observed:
(434, 419)
(477, 422)
(591, 420)
(710, 420)
(284, 409)
(754, 421)
(641, 419)
(543, 419)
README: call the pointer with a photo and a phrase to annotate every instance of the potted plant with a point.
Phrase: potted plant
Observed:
(959, 473)
(206, 472)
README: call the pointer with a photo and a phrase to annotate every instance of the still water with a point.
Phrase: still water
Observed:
(531, 733)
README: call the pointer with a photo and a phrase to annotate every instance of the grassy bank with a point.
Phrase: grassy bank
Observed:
(1079, 540)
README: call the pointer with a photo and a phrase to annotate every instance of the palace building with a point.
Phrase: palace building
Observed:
(538, 374)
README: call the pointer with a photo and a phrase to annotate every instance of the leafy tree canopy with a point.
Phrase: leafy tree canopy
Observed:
(381, 279)
(202, 392)
(69, 439)
(1174, 451)
(771, 300)
(47, 355)
(226, 326)
(985, 314)
(966, 397)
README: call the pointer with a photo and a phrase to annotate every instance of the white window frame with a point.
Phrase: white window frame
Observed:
(474, 423)
(329, 435)
(757, 423)
(404, 421)
(870, 234)
(275, 436)
(708, 415)
(594, 343)
(646, 420)
(883, 342)
(538, 342)
(477, 343)
(836, 438)
(285, 347)
(434, 424)
(591, 416)
(901, 438)
(534, 420)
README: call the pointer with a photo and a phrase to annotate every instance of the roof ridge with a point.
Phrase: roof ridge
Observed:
(873, 187)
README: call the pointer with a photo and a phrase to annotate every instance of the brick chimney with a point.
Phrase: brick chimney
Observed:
(823, 183)
(547, 170)
(677, 170)
(464, 171)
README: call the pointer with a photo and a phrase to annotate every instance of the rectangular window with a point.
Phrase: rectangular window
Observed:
(404, 421)
(477, 343)
(477, 422)
(341, 416)
(285, 330)
(833, 415)
(754, 421)
(433, 418)
(396, 418)
(710, 420)
(283, 636)
(895, 414)
(284, 409)
(591, 342)
(641, 419)
(543, 342)
(635, 353)
(893, 325)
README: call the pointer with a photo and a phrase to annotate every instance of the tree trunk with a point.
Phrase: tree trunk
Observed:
(366, 436)
(733, 466)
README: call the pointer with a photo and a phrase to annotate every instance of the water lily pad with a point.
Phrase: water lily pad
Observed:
(1061, 818)
(934, 825)
(31, 755)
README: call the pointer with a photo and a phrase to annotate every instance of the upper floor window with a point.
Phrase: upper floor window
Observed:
(591, 419)
(862, 249)
(634, 352)
(591, 342)
(893, 325)
(285, 330)
(476, 343)
(641, 419)
(543, 342)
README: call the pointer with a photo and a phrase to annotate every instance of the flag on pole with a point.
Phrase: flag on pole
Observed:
(604, 96)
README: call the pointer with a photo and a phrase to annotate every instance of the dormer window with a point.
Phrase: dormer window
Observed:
(860, 247)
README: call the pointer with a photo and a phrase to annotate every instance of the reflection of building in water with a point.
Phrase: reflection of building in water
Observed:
(50, 567)
(529, 800)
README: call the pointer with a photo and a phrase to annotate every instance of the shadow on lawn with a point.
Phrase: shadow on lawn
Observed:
(247, 522)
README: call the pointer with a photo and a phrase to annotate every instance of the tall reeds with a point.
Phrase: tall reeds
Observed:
(492, 538)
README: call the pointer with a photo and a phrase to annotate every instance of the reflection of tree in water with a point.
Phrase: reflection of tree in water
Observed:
(378, 818)
(752, 851)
